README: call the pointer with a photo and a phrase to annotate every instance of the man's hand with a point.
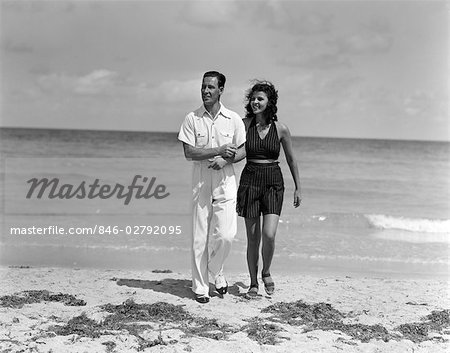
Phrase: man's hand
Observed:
(228, 150)
(297, 198)
(218, 163)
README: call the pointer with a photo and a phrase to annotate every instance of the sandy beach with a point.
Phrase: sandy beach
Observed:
(95, 310)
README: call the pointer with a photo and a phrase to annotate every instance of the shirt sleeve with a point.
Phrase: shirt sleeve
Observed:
(187, 133)
(240, 135)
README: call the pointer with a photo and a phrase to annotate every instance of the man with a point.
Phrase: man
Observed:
(211, 136)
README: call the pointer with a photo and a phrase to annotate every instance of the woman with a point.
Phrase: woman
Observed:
(261, 186)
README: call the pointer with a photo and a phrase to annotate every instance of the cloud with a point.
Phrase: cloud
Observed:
(209, 13)
(69, 6)
(365, 43)
(174, 91)
(373, 38)
(321, 61)
(307, 24)
(328, 50)
(270, 13)
(108, 83)
(55, 82)
(323, 93)
(17, 48)
(39, 6)
(281, 15)
(426, 104)
(97, 82)
(23, 6)
(40, 69)
(179, 95)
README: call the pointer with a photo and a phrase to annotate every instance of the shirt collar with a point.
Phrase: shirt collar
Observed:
(222, 110)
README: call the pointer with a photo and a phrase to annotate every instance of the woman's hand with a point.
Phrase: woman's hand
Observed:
(297, 198)
(218, 163)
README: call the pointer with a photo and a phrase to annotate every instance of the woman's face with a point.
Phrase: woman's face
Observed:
(258, 102)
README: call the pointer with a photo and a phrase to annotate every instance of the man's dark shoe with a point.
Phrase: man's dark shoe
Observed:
(202, 299)
(223, 290)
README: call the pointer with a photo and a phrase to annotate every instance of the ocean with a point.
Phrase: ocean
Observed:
(378, 206)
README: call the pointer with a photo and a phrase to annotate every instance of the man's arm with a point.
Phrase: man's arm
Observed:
(239, 139)
(240, 154)
(199, 154)
(219, 163)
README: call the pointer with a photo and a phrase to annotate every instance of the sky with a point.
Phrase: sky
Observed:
(354, 69)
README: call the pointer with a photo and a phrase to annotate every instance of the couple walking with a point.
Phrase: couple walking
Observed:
(214, 138)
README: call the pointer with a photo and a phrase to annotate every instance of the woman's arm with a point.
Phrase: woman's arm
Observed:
(285, 135)
(198, 154)
(241, 154)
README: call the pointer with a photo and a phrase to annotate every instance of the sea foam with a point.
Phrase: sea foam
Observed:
(421, 225)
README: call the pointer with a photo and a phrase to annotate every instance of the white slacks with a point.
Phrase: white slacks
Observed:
(214, 222)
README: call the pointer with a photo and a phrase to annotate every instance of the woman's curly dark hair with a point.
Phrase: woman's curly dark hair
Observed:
(270, 114)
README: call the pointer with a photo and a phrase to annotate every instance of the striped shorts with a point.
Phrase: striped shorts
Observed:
(261, 190)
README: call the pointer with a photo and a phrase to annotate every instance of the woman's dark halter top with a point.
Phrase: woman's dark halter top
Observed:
(258, 148)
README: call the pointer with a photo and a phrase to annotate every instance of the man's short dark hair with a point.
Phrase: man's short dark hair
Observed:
(220, 77)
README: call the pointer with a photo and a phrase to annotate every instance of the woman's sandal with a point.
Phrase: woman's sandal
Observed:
(269, 285)
(252, 291)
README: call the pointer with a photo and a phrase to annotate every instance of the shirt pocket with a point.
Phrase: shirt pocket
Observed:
(201, 138)
(226, 136)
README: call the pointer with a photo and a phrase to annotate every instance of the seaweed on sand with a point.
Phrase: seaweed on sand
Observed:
(132, 311)
(126, 317)
(300, 313)
(82, 326)
(439, 319)
(209, 328)
(18, 300)
(143, 343)
(165, 313)
(135, 318)
(321, 316)
(419, 331)
(262, 332)
(361, 332)
(110, 345)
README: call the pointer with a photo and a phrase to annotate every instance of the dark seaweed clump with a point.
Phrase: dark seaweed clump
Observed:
(80, 325)
(209, 328)
(263, 332)
(83, 326)
(165, 313)
(363, 333)
(18, 300)
(129, 316)
(324, 317)
(417, 332)
(300, 313)
(131, 311)
(136, 318)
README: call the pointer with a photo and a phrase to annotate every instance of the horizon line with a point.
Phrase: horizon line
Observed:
(174, 132)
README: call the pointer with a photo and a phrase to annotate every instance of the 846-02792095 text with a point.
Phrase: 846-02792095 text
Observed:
(99, 230)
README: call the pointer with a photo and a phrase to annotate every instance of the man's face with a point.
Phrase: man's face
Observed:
(210, 90)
